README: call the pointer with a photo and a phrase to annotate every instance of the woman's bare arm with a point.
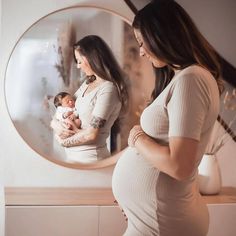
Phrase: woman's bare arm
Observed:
(85, 136)
(176, 160)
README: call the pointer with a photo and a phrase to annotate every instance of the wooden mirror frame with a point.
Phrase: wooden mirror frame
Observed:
(86, 166)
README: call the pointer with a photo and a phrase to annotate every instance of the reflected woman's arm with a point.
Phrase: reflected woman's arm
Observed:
(60, 129)
(85, 136)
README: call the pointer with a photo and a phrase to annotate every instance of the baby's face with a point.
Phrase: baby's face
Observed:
(68, 101)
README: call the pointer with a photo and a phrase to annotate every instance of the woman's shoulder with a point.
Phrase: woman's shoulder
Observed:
(195, 71)
(108, 86)
(108, 91)
(194, 81)
(194, 74)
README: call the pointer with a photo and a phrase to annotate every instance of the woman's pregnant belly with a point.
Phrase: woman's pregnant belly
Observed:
(134, 184)
(132, 174)
(149, 196)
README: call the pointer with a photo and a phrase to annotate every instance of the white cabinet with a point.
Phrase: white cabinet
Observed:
(222, 220)
(52, 221)
(64, 221)
(92, 212)
(95, 220)
(62, 212)
(111, 221)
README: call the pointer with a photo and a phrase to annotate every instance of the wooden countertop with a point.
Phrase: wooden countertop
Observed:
(54, 196)
(226, 195)
(60, 196)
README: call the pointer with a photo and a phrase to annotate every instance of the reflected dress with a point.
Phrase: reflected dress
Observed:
(154, 202)
(102, 102)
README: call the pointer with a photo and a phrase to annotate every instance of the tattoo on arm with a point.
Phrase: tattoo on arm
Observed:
(97, 122)
(84, 136)
(75, 140)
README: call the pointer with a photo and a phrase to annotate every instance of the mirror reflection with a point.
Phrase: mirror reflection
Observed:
(83, 124)
(42, 65)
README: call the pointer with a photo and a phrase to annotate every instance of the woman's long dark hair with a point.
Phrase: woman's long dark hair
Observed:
(103, 63)
(171, 35)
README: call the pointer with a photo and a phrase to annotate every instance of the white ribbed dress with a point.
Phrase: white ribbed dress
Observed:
(102, 102)
(155, 203)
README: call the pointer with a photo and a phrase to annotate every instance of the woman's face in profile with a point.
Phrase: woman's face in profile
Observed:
(82, 63)
(144, 51)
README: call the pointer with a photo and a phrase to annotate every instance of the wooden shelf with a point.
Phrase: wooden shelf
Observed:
(52, 196)
(226, 195)
(58, 196)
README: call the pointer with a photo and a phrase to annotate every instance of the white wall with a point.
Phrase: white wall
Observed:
(216, 20)
(19, 164)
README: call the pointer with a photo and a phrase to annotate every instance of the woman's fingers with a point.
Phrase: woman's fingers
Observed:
(61, 129)
(121, 210)
(133, 132)
(66, 133)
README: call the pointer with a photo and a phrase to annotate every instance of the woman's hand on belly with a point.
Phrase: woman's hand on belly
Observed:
(134, 134)
(126, 219)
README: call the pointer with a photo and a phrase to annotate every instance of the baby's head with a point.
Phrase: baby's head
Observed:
(64, 99)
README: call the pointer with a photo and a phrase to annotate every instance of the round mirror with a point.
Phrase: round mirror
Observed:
(41, 65)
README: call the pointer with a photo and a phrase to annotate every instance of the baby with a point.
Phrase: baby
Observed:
(65, 110)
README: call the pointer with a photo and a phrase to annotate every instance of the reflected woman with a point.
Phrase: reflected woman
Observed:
(98, 101)
(155, 179)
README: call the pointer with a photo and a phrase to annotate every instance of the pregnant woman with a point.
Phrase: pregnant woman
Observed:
(155, 178)
(98, 102)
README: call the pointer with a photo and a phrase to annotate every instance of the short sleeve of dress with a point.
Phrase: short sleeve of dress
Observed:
(107, 101)
(188, 106)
